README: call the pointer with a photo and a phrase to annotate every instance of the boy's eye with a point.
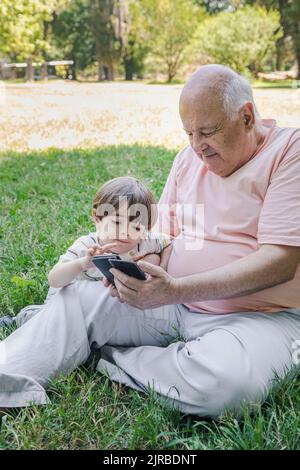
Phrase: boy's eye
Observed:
(138, 229)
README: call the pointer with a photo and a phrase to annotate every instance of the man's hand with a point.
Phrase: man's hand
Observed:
(112, 289)
(159, 288)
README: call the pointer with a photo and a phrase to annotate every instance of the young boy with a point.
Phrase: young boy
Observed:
(123, 212)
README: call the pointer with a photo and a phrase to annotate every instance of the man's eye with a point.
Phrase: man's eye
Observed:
(138, 229)
(202, 133)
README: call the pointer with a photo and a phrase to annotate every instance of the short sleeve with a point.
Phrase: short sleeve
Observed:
(169, 192)
(77, 250)
(279, 221)
(168, 198)
(154, 243)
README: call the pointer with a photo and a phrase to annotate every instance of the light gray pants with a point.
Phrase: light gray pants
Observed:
(223, 360)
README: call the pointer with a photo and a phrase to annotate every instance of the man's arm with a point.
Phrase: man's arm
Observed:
(268, 266)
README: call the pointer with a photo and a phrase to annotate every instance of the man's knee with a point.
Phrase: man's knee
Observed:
(230, 393)
(223, 392)
(217, 381)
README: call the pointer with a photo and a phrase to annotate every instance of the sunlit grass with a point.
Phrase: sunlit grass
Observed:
(274, 84)
(88, 115)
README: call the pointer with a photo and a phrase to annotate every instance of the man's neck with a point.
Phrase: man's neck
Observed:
(257, 138)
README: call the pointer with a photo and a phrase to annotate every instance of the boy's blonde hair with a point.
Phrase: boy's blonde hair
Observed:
(135, 193)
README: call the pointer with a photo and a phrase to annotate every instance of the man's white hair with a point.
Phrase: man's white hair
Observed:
(223, 84)
(235, 91)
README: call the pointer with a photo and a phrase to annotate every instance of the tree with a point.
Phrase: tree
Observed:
(290, 11)
(136, 47)
(108, 19)
(241, 39)
(171, 25)
(22, 29)
(215, 6)
(72, 35)
(290, 23)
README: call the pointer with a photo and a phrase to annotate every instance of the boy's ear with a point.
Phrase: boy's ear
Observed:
(94, 215)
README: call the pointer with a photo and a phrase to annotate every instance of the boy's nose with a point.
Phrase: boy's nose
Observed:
(123, 232)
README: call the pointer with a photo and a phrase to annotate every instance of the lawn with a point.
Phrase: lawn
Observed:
(71, 115)
(45, 204)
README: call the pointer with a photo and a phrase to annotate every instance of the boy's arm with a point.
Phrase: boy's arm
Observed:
(65, 272)
(153, 258)
(159, 259)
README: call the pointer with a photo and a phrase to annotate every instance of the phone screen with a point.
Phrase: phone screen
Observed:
(128, 267)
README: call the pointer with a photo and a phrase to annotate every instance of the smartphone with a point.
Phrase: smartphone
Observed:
(128, 267)
(102, 263)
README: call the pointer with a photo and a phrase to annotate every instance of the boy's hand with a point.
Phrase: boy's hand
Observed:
(93, 251)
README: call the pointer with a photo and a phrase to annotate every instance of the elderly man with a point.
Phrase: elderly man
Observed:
(234, 301)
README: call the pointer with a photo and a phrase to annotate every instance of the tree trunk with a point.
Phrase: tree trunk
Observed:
(13, 73)
(105, 72)
(111, 74)
(171, 74)
(29, 71)
(279, 53)
(128, 65)
(44, 73)
(108, 72)
(99, 72)
(297, 50)
(73, 68)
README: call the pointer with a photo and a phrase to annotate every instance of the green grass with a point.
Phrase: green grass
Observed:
(273, 84)
(45, 204)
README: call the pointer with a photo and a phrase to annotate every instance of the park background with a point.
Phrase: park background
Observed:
(89, 91)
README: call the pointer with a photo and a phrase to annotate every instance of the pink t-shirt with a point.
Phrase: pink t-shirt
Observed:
(259, 203)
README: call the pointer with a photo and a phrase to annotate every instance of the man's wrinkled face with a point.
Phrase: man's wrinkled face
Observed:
(219, 142)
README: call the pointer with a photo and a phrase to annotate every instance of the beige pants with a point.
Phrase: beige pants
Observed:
(222, 361)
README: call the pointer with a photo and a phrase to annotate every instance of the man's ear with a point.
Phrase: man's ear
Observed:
(248, 115)
(247, 119)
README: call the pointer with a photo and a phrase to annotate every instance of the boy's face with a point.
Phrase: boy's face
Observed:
(117, 228)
